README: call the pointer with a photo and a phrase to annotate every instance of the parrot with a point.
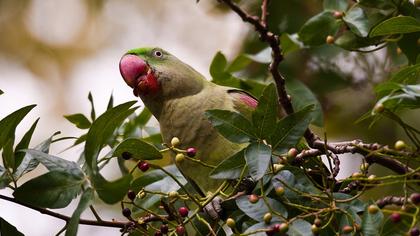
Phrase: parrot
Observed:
(178, 97)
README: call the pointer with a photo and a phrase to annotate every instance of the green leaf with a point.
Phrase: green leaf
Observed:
(4, 178)
(239, 63)
(335, 5)
(408, 45)
(7, 155)
(290, 129)
(24, 143)
(289, 43)
(79, 120)
(85, 201)
(358, 22)
(143, 118)
(7, 229)
(111, 192)
(257, 210)
(390, 228)
(154, 176)
(9, 123)
(265, 115)
(102, 129)
(302, 97)
(407, 75)
(218, 65)
(139, 149)
(396, 25)
(92, 111)
(299, 227)
(254, 229)
(315, 30)
(231, 125)
(53, 163)
(371, 223)
(1, 92)
(257, 156)
(110, 102)
(229, 168)
(51, 190)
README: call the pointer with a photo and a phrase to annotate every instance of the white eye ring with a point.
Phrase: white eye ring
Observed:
(158, 53)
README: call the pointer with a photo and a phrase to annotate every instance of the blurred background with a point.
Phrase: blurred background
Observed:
(53, 53)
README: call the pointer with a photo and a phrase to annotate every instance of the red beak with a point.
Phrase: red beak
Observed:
(132, 68)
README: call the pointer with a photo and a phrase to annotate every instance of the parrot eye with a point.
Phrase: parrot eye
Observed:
(158, 53)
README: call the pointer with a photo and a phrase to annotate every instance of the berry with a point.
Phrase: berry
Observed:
(414, 232)
(318, 222)
(279, 191)
(314, 229)
(191, 152)
(179, 157)
(400, 145)
(292, 153)
(183, 211)
(379, 108)
(347, 229)
(415, 198)
(373, 209)
(126, 155)
(267, 217)
(364, 167)
(338, 14)
(330, 39)
(357, 175)
(283, 227)
(164, 229)
(395, 217)
(175, 141)
(158, 233)
(126, 212)
(173, 194)
(180, 230)
(143, 166)
(253, 198)
(131, 195)
(372, 177)
(231, 223)
(277, 167)
(142, 195)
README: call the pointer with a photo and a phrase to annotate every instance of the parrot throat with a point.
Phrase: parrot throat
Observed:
(147, 85)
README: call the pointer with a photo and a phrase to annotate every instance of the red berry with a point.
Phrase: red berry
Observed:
(347, 229)
(395, 217)
(292, 153)
(158, 233)
(253, 198)
(180, 230)
(338, 14)
(414, 232)
(183, 211)
(126, 212)
(415, 198)
(164, 229)
(143, 166)
(270, 232)
(191, 152)
(131, 195)
(126, 155)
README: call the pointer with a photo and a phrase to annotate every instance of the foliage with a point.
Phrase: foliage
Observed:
(292, 188)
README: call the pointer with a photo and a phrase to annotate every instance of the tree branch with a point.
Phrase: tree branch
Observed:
(114, 224)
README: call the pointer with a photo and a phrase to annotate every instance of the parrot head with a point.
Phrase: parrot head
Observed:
(155, 74)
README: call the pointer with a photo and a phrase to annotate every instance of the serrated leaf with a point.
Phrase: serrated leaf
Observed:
(229, 168)
(85, 201)
(257, 210)
(315, 30)
(9, 123)
(265, 115)
(53, 163)
(231, 125)
(24, 143)
(290, 129)
(371, 223)
(357, 20)
(7, 229)
(396, 25)
(79, 120)
(139, 149)
(257, 156)
(302, 96)
(51, 190)
(102, 129)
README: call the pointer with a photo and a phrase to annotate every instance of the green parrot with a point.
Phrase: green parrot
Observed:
(178, 96)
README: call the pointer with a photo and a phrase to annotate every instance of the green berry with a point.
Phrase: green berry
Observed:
(231, 223)
(279, 191)
(400, 145)
(267, 217)
(179, 158)
(373, 209)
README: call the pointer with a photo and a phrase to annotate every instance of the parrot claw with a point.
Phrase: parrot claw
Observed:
(214, 208)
